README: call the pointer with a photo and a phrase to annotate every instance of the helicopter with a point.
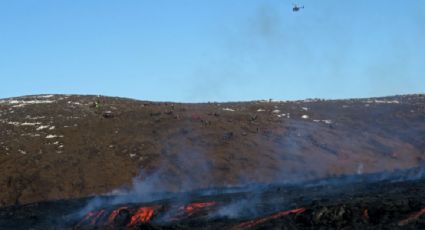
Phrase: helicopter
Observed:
(297, 8)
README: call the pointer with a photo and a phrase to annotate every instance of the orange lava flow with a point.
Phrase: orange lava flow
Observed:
(412, 218)
(142, 215)
(114, 214)
(366, 213)
(252, 223)
(93, 216)
(86, 217)
(191, 208)
(97, 216)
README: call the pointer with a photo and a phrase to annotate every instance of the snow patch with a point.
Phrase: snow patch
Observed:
(304, 116)
(22, 151)
(35, 118)
(73, 117)
(284, 115)
(228, 109)
(21, 103)
(51, 136)
(386, 102)
(30, 134)
(42, 127)
(74, 102)
(45, 96)
(30, 123)
(309, 100)
(15, 123)
(328, 122)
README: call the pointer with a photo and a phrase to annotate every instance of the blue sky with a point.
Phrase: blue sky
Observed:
(212, 50)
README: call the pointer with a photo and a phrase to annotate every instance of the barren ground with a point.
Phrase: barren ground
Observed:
(64, 146)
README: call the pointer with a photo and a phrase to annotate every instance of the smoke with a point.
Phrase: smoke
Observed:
(246, 203)
(248, 206)
(412, 174)
(242, 47)
(266, 26)
(183, 167)
(360, 169)
(238, 209)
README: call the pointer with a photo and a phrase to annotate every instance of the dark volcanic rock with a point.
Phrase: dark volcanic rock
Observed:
(68, 146)
(357, 202)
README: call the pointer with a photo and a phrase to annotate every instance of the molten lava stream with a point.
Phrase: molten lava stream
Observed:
(252, 223)
(193, 207)
(92, 216)
(412, 217)
(114, 214)
(97, 217)
(143, 215)
(189, 209)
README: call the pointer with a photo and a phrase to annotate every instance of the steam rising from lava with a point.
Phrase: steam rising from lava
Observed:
(133, 215)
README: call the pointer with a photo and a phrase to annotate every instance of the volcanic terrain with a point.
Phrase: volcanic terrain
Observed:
(68, 146)
(393, 200)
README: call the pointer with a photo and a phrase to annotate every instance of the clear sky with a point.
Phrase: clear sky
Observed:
(212, 50)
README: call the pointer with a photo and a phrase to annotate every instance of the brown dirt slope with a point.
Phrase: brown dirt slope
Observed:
(67, 146)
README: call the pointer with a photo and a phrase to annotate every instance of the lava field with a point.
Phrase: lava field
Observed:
(393, 200)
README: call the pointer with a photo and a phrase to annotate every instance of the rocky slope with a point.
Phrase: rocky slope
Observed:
(69, 146)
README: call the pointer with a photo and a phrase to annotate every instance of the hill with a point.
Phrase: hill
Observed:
(71, 146)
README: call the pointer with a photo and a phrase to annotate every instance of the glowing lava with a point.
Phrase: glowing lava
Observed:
(412, 218)
(115, 213)
(93, 217)
(193, 207)
(97, 217)
(252, 223)
(189, 209)
(142, 215)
